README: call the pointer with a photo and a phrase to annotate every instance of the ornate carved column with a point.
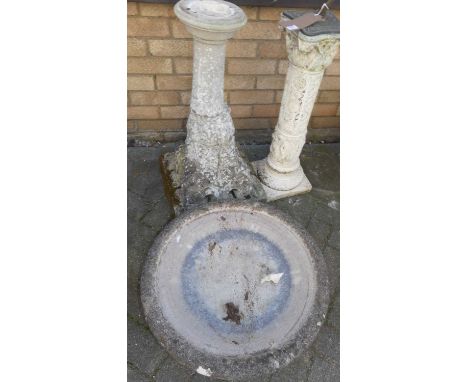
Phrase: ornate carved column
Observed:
(310, 51)
(210, 166)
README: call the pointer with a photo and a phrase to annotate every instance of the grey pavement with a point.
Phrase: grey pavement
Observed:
(148, 211)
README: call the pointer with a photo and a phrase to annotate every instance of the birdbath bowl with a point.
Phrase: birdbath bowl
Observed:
(234, 289)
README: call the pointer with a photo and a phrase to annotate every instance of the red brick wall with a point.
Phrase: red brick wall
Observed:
(160, 66)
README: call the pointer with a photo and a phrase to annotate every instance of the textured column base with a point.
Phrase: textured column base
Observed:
(272, 194)
(187, 187)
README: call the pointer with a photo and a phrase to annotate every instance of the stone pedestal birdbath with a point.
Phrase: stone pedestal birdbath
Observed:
(209, 166)
(310, 51)
(231, 288)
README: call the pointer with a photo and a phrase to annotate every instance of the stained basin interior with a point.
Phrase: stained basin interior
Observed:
(236, 282)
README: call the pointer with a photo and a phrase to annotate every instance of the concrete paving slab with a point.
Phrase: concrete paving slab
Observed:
(323, 370)
(143, 351)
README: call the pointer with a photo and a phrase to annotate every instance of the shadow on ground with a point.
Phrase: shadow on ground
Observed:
(148, 211)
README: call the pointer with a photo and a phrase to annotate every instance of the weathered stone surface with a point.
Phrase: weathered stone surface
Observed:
(143, 351)
(332, 258)
(297, 371)
(281, 172)
(328, 343)
(133, 302)
(321, 168)
(220, 311)
(171, 371)
(210, 165)
(333, 316)
(323, 370)
(134, 375)
(296, 206)
(334, 239)
(320, 231)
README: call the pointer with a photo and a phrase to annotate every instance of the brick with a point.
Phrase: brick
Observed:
(183, 65)
(252, 123)
(255, 30)
(250, 12)
(330, 83)
(324, 109)
(170, 48)
(283, 66)
(333, 69)
(174, 112)
(241, 111)
(149, 65)
(157, 10)
(131, 126)
(270, 82)
(136, 47)
(324, 122)
(246, 97)
(239, 82)
(272, 49)
(143, 112)
(161, 125)
(241, 49)
(154, 98)
(328, 96)
(266, 110)
(268, 13)
(246, 66)
(132, 9)
(279, 96)
(174, 82)
(147, 26)
(140, 83)
(179, 30)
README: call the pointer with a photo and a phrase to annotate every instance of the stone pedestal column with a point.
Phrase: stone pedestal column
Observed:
(310, 51)
(210, 166)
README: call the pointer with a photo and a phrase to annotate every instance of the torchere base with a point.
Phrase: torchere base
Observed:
(272, 194)
(187, 186)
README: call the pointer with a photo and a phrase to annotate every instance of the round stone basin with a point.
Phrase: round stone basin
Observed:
(238, 289)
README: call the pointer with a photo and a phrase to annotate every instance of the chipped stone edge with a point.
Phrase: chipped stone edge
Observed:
(222, 367)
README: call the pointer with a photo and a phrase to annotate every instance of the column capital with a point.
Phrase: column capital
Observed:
(311, 53)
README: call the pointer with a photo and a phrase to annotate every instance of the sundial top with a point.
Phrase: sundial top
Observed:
(212, 15)
(330, 24)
